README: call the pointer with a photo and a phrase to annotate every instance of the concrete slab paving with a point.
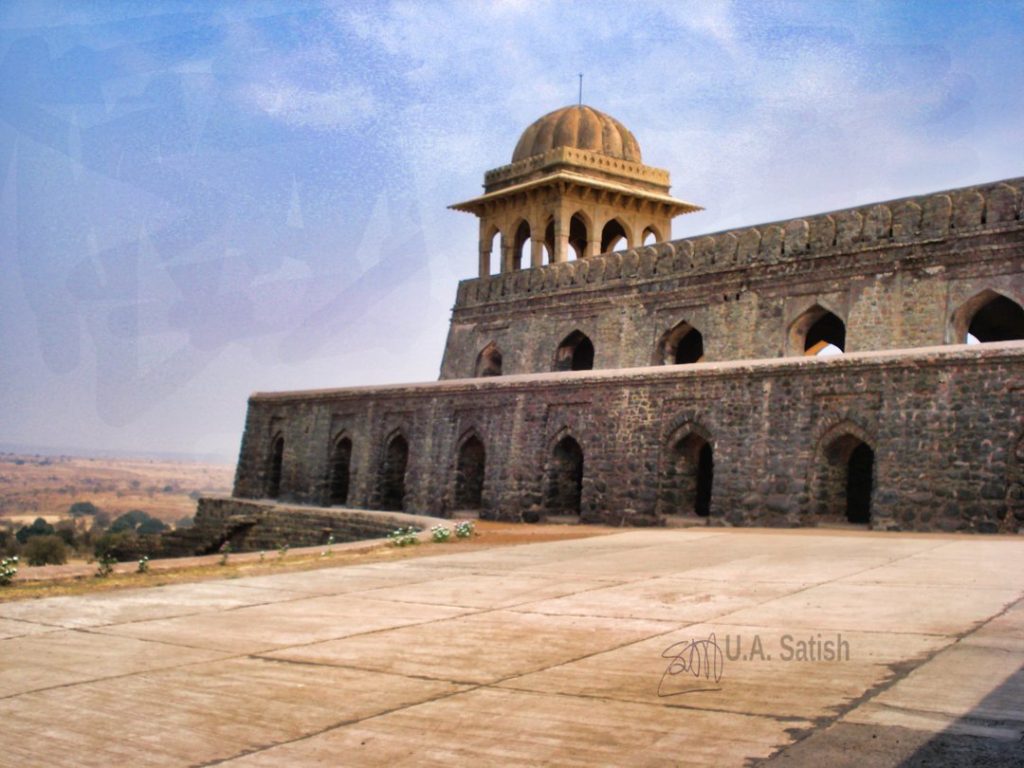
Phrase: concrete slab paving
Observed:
(52, 659)
(551, 653)
(489, 727)
(214, 711)
(480, 648)
(141, 604)
(756, 671)
(259, 628)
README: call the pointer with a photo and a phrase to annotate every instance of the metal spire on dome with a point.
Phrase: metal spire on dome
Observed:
(581, 90)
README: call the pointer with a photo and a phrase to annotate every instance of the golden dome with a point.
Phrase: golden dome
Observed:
(580, 127)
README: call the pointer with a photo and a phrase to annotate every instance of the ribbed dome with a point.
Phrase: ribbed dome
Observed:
(580, 127)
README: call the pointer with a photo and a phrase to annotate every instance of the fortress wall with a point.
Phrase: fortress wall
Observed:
(946, 426)
(894, 272)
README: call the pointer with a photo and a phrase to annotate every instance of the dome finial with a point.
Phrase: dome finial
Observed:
(581, 90)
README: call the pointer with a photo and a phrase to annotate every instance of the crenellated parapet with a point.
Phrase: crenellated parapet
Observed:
(874, 227)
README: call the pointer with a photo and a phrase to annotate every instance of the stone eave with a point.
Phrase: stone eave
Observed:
(476, 204)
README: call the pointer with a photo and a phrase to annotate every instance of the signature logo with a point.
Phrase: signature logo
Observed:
(701, 661)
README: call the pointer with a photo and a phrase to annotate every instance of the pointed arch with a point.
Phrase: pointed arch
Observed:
(488, 362)
(988, 316)
(275, 465)
(575, 353)
(817, 331)
(845, 484)
(490, 251)
(563, 492)
(470, 472)
(650, 236)
(679, 345)
(393, 465)
(549, 240)
(687, 472)
(521, 244)
(340, 470)
(615, 236)
(580, 228)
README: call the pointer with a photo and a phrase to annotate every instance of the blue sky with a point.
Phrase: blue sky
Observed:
(201, 200)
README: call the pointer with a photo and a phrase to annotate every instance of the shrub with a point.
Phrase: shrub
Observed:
(46, 550)
(465, 529)
(39, 527)
(8, 570)
(185, 522)
(440, 533)
(104, 566)
(404, 537)
(66, 530)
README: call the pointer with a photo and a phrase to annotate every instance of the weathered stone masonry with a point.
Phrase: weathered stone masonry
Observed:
(946, 426)
(681, 381)
(897, 274)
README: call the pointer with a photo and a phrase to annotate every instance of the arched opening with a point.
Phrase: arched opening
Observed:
(848, 479)
(575, 353)
(521, 245)
(614, 237)
(341, 458)
(469, 474)
(650, 236)
(565, 478)
(274, 470)
(392, 475)
(578, 236)
(493, 257)
(488, 362)
(687, 477)
(817, 332)
(680, 345)
(998, 319)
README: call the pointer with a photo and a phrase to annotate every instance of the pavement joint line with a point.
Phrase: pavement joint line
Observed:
(667, 704)
(368, 670)
(331, 727)
(33, 621)
(107, 678)
(901, 672)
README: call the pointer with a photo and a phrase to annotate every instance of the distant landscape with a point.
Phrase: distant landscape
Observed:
(34, 486)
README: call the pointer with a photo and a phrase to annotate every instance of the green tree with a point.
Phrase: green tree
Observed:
(82, 508)
(39, 527)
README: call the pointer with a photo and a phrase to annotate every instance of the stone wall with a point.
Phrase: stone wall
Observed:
(251, 526)
(895, 273)
(944, 426)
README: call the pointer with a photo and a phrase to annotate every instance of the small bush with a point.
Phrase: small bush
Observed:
(143, 564)
(105, 566)
(440, 534)
(465, 529)
(8, 570)
(46, 550)
(404, 537)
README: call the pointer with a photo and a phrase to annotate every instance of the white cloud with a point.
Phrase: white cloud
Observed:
(337, 108)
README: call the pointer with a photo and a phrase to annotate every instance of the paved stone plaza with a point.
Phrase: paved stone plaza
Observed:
(542, 654)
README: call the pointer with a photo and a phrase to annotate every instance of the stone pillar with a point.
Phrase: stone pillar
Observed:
(506, 253)
(536, 250)
(561, 237)
(593, 246)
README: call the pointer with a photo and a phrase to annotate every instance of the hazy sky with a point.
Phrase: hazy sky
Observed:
(201, 200)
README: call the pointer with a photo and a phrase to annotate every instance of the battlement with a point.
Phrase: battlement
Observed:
(892, 224)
